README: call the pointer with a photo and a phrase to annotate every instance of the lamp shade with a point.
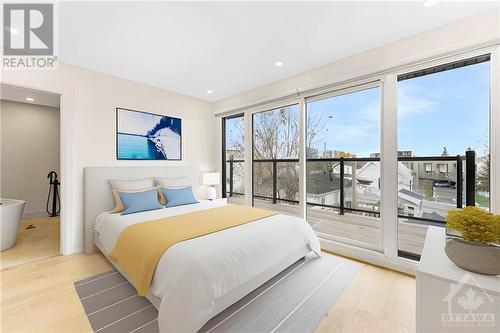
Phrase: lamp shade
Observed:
(211, 178)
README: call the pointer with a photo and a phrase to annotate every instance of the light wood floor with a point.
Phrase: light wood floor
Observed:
(34, 243)
(39, 296)
(377, 300)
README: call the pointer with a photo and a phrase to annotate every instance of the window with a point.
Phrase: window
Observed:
(343, 166)
(442, 168)
(443, 112)
(233, 129)
(443, 156)
(276, 159)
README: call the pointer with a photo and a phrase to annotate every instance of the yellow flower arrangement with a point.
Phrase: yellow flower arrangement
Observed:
(475, 224)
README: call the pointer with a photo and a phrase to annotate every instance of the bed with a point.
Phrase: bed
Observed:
(198, 278)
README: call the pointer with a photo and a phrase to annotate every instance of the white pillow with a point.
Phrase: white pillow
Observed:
(131, 185)
(125, 185)
(173, 182)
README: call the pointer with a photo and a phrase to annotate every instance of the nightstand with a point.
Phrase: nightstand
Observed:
(450, 299)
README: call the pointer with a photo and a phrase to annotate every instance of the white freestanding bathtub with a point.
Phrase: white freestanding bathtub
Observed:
(11, 211)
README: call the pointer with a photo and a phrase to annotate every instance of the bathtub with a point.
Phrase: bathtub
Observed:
(11, 211)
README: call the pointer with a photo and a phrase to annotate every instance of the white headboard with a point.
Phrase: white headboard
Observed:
(98, 197)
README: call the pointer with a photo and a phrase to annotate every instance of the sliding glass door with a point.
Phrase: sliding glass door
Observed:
(443, 140)
(233, 155)
(319, 156)
(343, 165)
(275, 172)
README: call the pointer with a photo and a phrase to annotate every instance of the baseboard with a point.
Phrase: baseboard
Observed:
(34, 213)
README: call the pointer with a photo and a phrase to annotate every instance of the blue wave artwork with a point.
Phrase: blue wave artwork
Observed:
(147, 136)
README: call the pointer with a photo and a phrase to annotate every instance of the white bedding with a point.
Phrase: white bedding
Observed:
(192, 275)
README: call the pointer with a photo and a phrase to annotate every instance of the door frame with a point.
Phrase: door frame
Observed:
(66, 166)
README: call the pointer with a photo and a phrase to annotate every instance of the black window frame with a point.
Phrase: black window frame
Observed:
(224, 156)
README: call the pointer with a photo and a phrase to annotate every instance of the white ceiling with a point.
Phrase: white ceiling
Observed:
(231, 47)
(18, 94)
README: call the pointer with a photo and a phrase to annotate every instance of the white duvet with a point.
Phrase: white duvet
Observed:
(192, 275)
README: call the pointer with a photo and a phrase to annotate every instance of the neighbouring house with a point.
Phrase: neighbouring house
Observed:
(323, 188)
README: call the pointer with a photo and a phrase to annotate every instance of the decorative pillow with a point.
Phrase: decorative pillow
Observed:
(179, 196)
(119, 207)
(161, 197)
(173, 182)
(135, 202)
(118, 203)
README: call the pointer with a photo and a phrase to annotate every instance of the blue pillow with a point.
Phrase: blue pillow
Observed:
(135, 202)
(179, 196)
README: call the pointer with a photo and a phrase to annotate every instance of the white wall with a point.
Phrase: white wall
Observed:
(29, 151)
(88, 102)
(474, 30)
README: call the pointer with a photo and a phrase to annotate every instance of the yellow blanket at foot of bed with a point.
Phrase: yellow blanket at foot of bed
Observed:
(141, 245)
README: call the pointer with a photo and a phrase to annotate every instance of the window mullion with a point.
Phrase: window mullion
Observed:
(389, 167)
(248, 142)
(495, 131)
(302, 159)
(223, 165)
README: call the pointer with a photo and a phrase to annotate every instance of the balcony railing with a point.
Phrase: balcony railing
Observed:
(346, 181)
(231, 165)
(438, 179)
(271, 190)
(268, 182)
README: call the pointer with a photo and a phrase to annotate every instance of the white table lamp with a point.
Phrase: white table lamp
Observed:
(211, 179)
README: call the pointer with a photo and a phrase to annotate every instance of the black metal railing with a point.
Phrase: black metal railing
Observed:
(459, 173)
(470, 176)
(275, 197)
(275, 194)
(230, 181)
(340, 163)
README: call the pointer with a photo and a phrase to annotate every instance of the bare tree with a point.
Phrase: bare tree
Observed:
(275, 137)
(276, 134)
(483, 173)
(315, 126)
(237, 142)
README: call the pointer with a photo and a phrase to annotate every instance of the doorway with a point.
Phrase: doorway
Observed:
(30, 175)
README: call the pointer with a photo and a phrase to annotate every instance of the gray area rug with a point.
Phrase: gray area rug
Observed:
(293, 301)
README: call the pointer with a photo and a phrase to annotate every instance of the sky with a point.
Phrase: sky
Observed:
(351, 122)
(136, 122)
(233, 132)
(447, 109)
